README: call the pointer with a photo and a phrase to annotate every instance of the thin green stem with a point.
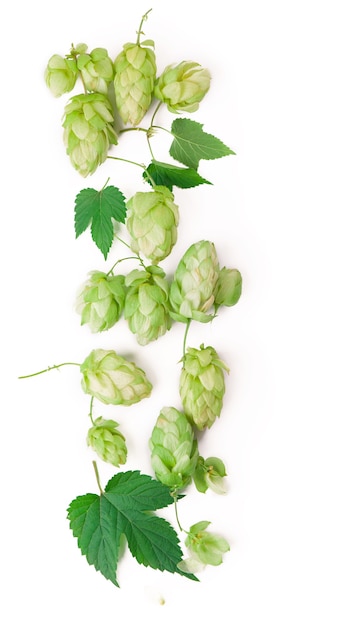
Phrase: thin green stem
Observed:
(91, 410)
(140, 32)
(52, 367)
(127, 258)
(175, 498)
(154, 114)
(185, 336)
(161, 128)
(95, 467)
(127, 161)
(127, 130)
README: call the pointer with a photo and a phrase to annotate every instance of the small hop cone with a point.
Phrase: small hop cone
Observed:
(182, 87)
(96, 69)
(193, 284)
(174, 449)
(146, 305)
(202, 386)
(60, 75)
(209, 474)
(205, 548)
(112, 379)
(135, 73)
(228, 288)
(152, 221)
(107, 441)
(88, 131)
(100, 301)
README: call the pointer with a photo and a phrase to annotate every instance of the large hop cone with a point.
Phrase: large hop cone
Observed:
(135, 73)
(146, 305)
(182, 87)
(174, 449)
(100, 301)
(112, 379)
(96, 70)
(107, 441)
(193, 284)
(202, 386)
(88, 131)
(152, 220)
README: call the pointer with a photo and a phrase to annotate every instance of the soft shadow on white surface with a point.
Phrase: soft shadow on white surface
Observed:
(275, 212)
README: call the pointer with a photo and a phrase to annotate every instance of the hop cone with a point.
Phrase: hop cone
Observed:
(88, 131)
(182, 87)
(107, 441)
(210, 473)
(135, 72)
(205, 547)
(152, 220)
(174, 450)
(202, 386)
(228, 288)
(112, 379)
(193, 284)
(146, 304)
(60, 75)
(96, 70)
(100, 301)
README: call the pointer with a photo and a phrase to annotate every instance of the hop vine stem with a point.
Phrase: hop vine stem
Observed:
(48, 369)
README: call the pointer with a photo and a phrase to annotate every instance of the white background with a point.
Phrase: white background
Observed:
(274, 211)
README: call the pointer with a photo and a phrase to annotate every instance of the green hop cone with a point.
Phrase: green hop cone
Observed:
(193, 284)
(96, 70)
(209, 474)
(174, 449)
(182, 87)
(152, 220)
(205, 548)
(88, 131)
(112, 379)
(107, 441)
(135, 73)
(202, 386)
(228, 288)
(100, 301)
(146, 305)
(60, 75)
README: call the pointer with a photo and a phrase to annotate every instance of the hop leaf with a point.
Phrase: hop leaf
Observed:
(99, 209)
(125, 508)
(191, 143)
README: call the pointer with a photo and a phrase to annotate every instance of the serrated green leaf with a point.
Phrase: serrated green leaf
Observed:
(191, 143)
(98, 209)
(125, 508)
(171, 175)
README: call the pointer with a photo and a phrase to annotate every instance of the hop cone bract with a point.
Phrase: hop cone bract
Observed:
(88, 131)
(96, 69)
(194, 281)
(146, 305)
(100, 301)
(60, 75)
(107, 441)
(228, 288)
(174, 449)
(152, 220)
(112, 379)
(182, 87)
(202, 386)
(135, 72)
